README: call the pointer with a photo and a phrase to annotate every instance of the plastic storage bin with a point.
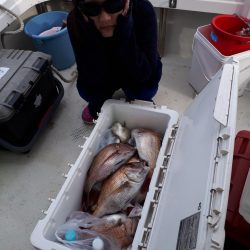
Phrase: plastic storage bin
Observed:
(237, 228)
(207, 60)
(224, 35)
(186, 203)
(58, 45)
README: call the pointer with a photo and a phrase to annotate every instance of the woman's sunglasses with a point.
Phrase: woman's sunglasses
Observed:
(94, 8)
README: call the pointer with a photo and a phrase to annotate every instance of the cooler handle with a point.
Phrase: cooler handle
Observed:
(144, 103)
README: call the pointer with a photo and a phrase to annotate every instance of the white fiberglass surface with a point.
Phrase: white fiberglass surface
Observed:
(210, 6)
(215, 6)
(19, 7)
(190, 175)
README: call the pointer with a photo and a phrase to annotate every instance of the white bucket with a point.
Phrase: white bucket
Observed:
(207, 60)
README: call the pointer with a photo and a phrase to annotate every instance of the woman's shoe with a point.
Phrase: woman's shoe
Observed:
(86, 116)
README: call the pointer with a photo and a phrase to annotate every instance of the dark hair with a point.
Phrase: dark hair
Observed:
(76, 2)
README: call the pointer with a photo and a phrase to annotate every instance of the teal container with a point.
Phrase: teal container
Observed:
(58, 44)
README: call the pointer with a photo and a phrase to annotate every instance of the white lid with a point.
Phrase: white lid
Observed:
(188, 215)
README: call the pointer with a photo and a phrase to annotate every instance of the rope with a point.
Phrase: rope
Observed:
(20, 21)
(71, 80)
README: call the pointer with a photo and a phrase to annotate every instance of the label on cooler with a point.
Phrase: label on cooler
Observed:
(188, 232)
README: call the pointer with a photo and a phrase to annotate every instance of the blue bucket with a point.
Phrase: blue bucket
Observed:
(58, 44)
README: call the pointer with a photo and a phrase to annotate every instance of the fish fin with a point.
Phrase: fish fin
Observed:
(129, 205)
(93, 208)
(135, 211)
(100, 211)
(87, 186)
(124, 185)
(121, 188)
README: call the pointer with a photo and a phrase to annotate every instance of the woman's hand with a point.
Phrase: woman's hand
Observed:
(85, 18)
(126, 8)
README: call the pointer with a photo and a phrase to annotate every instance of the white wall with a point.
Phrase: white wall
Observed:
(215, 6)
(180, 28)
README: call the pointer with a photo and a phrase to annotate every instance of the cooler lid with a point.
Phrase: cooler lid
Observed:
(191, 210)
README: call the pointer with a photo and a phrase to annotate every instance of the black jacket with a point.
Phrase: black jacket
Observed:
(129, 58)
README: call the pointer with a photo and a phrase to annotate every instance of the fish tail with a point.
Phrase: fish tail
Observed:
(88, 186)
(99, 211)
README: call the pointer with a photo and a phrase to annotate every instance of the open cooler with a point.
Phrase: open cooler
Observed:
(186, 203)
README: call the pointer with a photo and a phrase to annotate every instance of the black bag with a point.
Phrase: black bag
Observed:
(28, 96)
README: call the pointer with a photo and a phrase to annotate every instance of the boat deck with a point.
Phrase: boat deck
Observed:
(28, 181)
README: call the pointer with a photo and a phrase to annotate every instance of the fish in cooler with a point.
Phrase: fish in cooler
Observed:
(120, 188)
(148, 144)
(119, 228)
(121, 131)
(106, 162)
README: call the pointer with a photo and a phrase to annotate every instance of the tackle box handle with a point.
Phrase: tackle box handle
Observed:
(14, 100)
(41, 64)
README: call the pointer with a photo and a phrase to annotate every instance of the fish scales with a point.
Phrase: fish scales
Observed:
(107, 161)
(148, 144)
(120, 188)
(123, 232)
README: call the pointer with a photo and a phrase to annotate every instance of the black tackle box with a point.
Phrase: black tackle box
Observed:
(29, 94)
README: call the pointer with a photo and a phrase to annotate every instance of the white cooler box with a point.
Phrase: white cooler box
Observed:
(207, 60)
(186, 204)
